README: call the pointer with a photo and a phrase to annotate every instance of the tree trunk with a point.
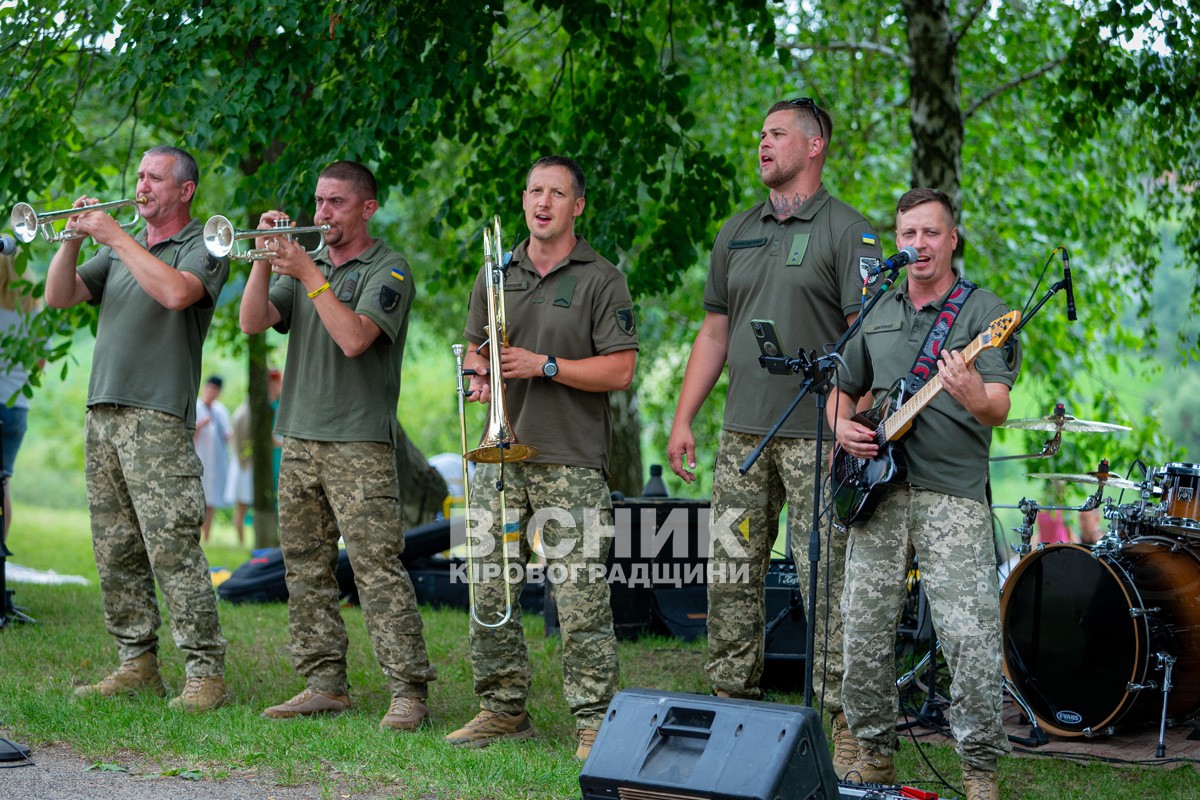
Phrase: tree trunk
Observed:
(935, 106)
(625, 455)
(262, 439)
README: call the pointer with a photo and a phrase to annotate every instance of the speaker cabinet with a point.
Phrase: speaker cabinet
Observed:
(670, 746)
(786, 629)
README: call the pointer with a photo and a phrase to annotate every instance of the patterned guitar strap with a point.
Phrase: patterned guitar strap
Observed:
(927, 357)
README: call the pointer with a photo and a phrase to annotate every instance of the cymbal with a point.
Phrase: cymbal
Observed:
(1064, 422)
(1094, 478)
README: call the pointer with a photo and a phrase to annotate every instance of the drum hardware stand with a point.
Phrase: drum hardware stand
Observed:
(1167, 664)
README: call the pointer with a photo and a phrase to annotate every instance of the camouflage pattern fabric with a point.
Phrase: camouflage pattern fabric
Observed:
(736, 611)
(952, 538)
(146, 504)
(327, 488)
(574, 503)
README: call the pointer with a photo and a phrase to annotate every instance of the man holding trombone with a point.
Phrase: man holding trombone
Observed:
(346, 311)
(570, 318)
(156, 292)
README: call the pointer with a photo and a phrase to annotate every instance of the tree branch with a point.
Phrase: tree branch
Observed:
(856, 47)
(991, 94)
(968, 22)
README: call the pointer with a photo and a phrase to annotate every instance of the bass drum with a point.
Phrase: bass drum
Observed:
(1083, 630)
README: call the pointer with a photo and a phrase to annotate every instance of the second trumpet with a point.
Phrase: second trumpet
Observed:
(221, 238)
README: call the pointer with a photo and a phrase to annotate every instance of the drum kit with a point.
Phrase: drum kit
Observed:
(1107, 635)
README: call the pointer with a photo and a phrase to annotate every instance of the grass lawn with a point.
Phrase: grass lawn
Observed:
(42, 664)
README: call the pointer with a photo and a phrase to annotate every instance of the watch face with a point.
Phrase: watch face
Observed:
(549, 369)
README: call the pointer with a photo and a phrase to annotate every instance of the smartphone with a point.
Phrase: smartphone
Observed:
(772, 356)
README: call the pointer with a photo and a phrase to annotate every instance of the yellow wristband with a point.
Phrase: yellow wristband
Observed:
(318, 290)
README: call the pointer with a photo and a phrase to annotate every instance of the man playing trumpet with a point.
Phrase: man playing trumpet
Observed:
(156, 292)
(347, 315)
(570, 319)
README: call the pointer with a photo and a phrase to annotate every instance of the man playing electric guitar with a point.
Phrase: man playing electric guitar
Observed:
(940, 509)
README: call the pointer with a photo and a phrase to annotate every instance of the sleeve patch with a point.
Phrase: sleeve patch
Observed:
(389, 299)
(625, 320)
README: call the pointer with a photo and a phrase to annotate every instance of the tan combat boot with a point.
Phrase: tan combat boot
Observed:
(845, 746)
(309, 703)
(981, 784)
(135, 675)
(587, 738)
(872, 767)
(491, 726)
(405, 714)
(201, 694)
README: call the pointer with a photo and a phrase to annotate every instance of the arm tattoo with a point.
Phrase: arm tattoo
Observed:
(784, 207)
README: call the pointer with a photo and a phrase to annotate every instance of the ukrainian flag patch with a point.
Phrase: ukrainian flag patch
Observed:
(397, 274)
(868, 238)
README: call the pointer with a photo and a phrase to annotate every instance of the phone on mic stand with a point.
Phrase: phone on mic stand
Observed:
(771, 355)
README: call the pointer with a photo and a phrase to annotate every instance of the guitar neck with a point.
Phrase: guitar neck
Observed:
(901, 420)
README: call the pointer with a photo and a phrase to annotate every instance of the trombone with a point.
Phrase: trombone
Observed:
(27, 222)
(499, 444)
(221, 238)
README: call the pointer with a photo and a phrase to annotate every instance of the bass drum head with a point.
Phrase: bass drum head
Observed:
(1070, 645)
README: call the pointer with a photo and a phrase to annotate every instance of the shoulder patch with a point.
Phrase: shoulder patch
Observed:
(865, 264)
(388, 300)
(212, 264)
(625, 320)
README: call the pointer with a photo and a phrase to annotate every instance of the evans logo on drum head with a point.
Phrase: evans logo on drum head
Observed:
(1069, 717)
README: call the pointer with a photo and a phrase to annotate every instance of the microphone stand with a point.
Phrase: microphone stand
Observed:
(814, 380)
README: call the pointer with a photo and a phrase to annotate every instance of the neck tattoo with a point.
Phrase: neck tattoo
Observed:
(784, 207)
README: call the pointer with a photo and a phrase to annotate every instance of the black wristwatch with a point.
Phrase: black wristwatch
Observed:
(549, 369)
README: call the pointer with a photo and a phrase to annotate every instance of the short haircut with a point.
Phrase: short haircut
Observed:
(215, 380)
(577, 180)
(185, 166)
(807, 115)
(922, 195)
(355, 174)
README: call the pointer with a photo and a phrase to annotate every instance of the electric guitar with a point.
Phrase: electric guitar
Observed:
(858, 483)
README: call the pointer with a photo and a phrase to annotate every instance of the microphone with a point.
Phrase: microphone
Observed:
(8, 245)
(906, 256)
(1070, 285)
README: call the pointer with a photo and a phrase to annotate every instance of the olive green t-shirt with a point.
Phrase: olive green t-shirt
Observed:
(946, 449)
(581, 308)
(146, 355)
(327, 396)
(806, 274)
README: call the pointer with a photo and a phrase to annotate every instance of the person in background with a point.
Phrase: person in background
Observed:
(239, 487)
(212, 435)
(16, 308)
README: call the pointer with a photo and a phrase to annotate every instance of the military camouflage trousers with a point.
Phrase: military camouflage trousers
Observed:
(347, 488)
(566, 509)
(751, 504)
(952, 538)
(146, 505)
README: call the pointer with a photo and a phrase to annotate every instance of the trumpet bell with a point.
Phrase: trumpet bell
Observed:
(25, 222)
(218, 236)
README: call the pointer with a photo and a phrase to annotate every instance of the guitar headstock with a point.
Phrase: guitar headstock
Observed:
(1000, 329)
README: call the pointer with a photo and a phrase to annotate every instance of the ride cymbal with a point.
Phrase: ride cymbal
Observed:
(1094, 478)
(1064, 422)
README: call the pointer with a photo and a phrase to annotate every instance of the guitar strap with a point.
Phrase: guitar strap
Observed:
(927, 356)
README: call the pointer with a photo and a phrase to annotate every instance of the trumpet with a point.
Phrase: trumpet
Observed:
(27, 223)
(221, 238)
(499, 444)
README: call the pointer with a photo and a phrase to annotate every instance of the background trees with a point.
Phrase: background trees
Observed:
(1052, 123)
